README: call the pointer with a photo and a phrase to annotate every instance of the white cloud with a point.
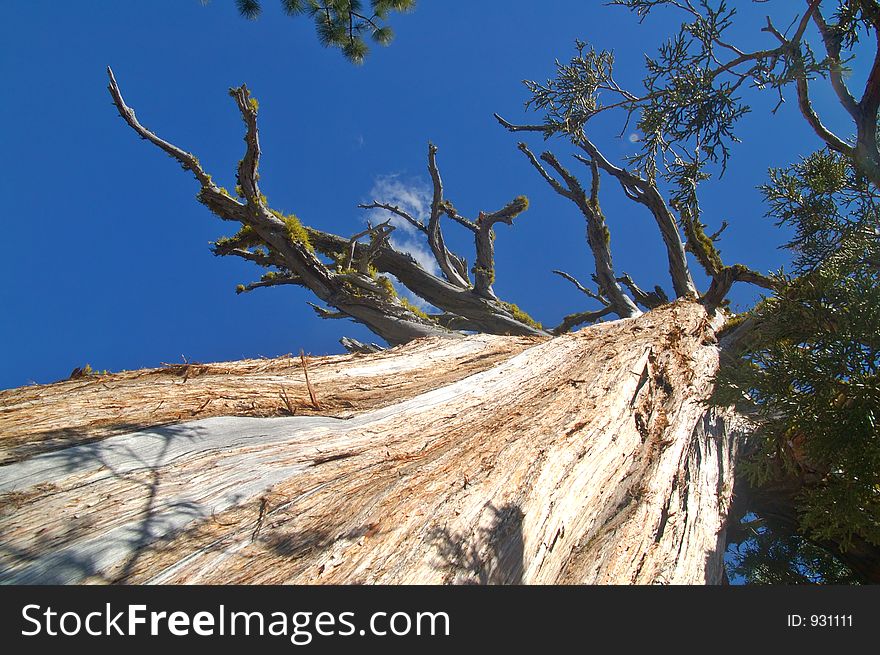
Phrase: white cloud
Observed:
(415, 200)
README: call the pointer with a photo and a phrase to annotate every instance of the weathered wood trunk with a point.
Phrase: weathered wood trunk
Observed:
(586, 458)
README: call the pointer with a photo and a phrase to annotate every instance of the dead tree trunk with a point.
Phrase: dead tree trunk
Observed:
(586, 458)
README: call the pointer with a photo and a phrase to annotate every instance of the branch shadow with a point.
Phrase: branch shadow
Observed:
(71, 556)
(48, 441)
(493, 555)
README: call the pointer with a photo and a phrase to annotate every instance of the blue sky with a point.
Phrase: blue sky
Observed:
(107, 256)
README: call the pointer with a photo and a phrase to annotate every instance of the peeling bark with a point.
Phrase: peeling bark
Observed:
(588, 458)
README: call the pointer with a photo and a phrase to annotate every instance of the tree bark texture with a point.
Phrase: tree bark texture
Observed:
(586, 458)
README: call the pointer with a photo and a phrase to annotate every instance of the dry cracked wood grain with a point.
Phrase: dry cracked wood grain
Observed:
(586, 458)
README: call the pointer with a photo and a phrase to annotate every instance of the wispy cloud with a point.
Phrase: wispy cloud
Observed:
(413, 198)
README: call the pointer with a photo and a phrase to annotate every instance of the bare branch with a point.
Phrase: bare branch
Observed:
(269, 238)
(717, 235)
(285, 237)
(867, 153)
(647, 299)
(450, 211)
(576, 191)
(806, 106)
(247, 167)
(187, 160)
(594, 187)
(455, 322)
(698, 243)
(745, 274)
(378, 237)
(635, 188)
(211, 195)
(581, 287)
(646, 193)
(394, 209)
(324, 313)
(357, 347)
(723, 277)
(484, 239)
(724, 280)
(452, 266)
(870, 101)
(555, 185)
(546, 130)
(598, 236)
(833, 49)
(257, 257)
(489, 316)
(272, 281)
(574, 320)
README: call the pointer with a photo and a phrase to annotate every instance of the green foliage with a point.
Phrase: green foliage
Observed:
(732, 323)
(571, 98)
(520, 315)
(810, 377)
(811, 381)
(699, 243)
(86, 371)
(690, 101)
(779, 557)
(813, 385)
(250, 9)
(832, 208)
(387, 286)
(412, 308)
(296, 232)
(342, 24)
(246, 237)
(338, 258)
(488, 272)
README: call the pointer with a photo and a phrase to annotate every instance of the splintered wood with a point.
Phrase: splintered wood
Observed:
(46, 417)
(587, 458)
